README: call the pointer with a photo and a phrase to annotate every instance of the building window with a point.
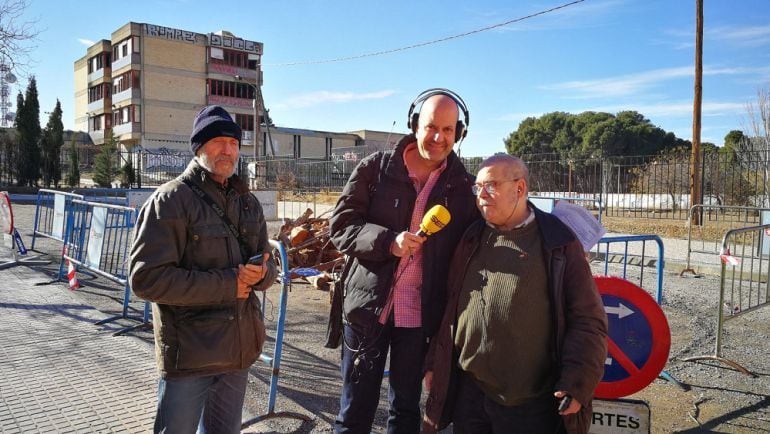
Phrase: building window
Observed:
(238, 59)
(97, 62)
(95, 123)
(126, 115)
(98, 92)
(121, 49)
(231, 89)
(246, 122)
(125, 81)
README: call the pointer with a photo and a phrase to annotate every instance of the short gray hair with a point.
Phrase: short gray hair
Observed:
(515, 166)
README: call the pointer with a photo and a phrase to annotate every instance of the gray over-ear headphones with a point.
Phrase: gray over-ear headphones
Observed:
(461, 129)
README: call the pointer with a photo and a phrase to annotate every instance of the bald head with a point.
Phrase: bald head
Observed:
(513, 167)
(436, 104)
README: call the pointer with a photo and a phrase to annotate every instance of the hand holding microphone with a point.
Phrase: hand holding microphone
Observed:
(406, 243)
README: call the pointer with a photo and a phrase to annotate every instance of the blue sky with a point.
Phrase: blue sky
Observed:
(601, 55)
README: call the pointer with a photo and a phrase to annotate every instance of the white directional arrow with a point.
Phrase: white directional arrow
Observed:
(621, 311)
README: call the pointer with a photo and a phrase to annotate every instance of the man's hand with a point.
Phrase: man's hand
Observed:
(574, 406)
(249, 275)
(405, 244)
(427, 380)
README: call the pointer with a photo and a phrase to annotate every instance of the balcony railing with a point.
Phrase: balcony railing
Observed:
(126, 95)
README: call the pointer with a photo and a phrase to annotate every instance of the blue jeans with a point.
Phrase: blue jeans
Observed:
(209, 404)
(363, 364)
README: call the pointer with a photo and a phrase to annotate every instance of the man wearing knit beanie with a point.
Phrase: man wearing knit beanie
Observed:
(214, 127)
(200, 253)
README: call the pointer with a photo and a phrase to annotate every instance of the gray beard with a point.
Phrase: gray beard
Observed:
(208, 164)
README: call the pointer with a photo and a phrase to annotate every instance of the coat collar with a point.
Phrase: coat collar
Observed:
(553, 232)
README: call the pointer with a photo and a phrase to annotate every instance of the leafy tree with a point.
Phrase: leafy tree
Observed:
(73, 174)
(733, 141)
(8, 146)
(104, 163)
(28, 127)
(589, 135)
(127, 175)
(53, 140)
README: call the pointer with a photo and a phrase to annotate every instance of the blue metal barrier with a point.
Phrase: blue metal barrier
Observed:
(51, 213)
(275, 360)
(631, 239)
(97, 239)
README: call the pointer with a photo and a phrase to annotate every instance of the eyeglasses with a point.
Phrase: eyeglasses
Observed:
(489, 186)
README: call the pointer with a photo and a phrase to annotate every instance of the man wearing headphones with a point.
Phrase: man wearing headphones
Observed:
(523, 341)
(394, 281)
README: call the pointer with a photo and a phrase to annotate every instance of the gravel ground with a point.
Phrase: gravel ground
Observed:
(718, 399)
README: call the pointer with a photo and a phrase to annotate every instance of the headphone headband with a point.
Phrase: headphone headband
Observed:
(411, 123)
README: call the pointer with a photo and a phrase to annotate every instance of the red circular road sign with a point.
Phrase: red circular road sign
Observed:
(638, 339)
(6, 213)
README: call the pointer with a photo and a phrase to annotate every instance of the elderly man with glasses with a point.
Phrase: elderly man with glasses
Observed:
(524, 326)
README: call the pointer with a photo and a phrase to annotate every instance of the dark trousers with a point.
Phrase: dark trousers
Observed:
(475, 413)
(363, 364)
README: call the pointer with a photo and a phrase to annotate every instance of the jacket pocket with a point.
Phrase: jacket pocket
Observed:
(210, 248)
(207, 340)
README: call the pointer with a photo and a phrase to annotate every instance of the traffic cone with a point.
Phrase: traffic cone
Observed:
(71, 272)
(72, 276)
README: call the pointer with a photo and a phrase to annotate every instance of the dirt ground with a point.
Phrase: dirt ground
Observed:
(715, 397)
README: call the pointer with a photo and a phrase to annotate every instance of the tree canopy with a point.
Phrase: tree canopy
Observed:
(590, 134)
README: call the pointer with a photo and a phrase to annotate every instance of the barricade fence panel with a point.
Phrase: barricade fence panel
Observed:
(51, 214)
(98, 238)
(744, 283)
(703, 239)
(636, 258)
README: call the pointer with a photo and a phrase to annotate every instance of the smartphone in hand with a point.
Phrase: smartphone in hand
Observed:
(256, 259)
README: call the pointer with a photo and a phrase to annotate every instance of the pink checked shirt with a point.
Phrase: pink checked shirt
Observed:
(404, 300)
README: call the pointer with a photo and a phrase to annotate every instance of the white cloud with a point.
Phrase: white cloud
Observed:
(630, 84)
(673, 109)
(749, 36)
(86, 42)
(618, 86)
(322, 97)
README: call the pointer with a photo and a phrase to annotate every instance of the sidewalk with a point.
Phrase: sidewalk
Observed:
(61, 373)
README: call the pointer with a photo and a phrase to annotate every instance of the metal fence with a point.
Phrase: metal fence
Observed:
(744, 284)
(631, 186)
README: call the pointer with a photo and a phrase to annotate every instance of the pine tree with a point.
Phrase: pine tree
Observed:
(53, 139)
(73, 174)
(28, 127)
(104, 163)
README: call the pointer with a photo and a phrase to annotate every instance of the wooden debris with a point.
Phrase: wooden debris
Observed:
(308, 246)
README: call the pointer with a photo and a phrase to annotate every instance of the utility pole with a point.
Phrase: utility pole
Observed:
(695, 187)
(255, 105)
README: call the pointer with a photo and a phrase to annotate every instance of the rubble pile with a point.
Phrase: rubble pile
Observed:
(311, 255)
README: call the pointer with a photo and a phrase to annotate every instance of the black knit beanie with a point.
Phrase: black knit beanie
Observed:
(212, 121)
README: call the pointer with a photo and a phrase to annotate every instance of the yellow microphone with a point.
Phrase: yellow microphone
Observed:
(434, 220)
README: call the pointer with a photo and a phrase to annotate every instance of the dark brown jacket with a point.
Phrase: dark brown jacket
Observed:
(580, 345)
(185, 260)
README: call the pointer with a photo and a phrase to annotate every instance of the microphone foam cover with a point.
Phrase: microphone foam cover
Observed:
(435, 219)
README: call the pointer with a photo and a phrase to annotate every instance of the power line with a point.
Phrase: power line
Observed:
(422, 44)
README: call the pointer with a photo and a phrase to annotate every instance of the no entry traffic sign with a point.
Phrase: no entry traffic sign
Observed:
(638, 338)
